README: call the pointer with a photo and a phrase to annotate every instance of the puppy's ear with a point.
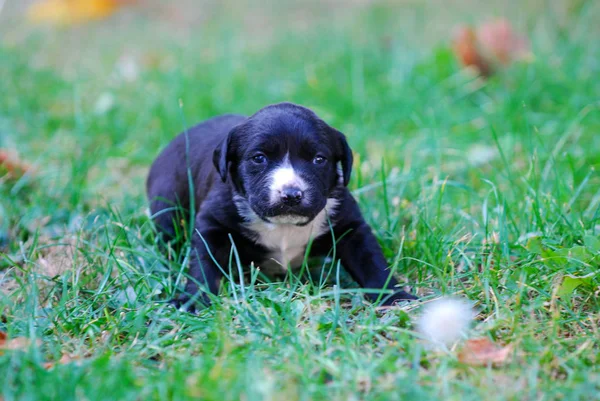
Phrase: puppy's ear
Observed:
(344, 156)
(222, 155)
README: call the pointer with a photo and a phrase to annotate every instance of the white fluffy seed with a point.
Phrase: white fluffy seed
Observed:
(445, 320)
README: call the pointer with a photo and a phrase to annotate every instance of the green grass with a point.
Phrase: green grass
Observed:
(482, 189)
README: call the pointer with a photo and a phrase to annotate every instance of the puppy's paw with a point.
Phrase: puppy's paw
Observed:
(183, 303)
(397, 297)
(190, 304)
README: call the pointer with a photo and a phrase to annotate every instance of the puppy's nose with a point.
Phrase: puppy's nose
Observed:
(291, 196)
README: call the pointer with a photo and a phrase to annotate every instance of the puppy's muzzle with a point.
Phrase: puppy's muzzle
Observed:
(291, 196)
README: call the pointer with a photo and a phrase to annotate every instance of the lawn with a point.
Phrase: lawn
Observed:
(486, 189)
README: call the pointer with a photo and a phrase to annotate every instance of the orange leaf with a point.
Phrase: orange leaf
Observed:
(466, 50)
(18, 343)
(64, 359)
(71, 11)
(12, 166)
(493, 44)
(482, 352)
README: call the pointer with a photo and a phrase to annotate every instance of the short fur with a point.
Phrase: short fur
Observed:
(273, 181)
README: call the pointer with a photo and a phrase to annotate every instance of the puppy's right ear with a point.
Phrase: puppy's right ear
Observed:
(222, 156)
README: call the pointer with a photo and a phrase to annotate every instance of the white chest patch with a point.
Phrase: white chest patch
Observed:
(286, 241)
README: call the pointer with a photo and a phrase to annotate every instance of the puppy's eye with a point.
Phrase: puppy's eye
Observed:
(319, 160)
(259, 159)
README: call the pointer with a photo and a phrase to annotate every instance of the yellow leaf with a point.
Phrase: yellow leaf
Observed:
(71, 11)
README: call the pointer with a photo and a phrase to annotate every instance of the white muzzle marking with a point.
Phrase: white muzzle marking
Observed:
(282, 177)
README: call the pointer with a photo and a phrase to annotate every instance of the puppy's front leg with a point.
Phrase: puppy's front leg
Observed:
(204, 275)
(363, 258)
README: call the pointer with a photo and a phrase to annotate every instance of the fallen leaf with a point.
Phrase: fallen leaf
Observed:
(12, 344)
(501, 42)
(11, 166)
(490, 46)
(72, 11)
(467, 52)
(483, 352)
(64, 359)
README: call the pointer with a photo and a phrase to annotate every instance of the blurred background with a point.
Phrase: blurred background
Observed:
(123, 68)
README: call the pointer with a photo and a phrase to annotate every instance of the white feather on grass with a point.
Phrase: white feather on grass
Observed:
(445, 321)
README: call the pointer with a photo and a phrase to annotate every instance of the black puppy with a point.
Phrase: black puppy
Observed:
(273, 181)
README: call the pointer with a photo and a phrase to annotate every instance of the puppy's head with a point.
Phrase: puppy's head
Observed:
(285, 162)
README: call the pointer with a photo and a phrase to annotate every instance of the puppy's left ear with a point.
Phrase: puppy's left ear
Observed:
(222, 155)
(344, 156)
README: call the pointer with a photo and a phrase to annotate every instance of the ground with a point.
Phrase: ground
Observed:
(481, 189)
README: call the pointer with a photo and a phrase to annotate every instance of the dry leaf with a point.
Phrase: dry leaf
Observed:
(493, 44)
(18, 343)
(465, 48)
(64, 359)
(12, 166)
(483, 352)
(72, 11)
(501, 42)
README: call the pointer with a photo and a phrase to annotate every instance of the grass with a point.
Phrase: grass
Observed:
(483, 189)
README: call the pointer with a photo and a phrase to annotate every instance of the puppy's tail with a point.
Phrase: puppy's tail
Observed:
(445, 320)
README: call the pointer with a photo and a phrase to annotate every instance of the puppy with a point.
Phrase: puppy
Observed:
(274, 182)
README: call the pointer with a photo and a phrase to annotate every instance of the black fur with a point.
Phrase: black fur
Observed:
(233, 186)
